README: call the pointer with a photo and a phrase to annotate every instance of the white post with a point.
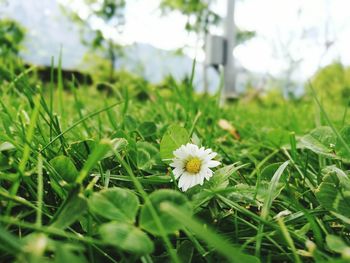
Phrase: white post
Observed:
(229, 72)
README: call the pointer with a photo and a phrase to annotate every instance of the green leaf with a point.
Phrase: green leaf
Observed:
(334, 192)
(115, 204)
(246, 194)
(58, 185)
(147, 129)
(340, 149)
(130, 123)
(117, 144)
(173, 138)
(345, 219)
(339, 174)
(221, 176)
(157, 198)
(320, 140)
(97, 155)
(80, 151)
(273, 186)
(147, 155)
(4, 162)
(335, 243)
(126, 237)
(185, 251)
(64, 255)
(218, 182)
(9, 243)
(144, 160)
(65, 168)
(69, 252)
(269, 170)
(71, 210)
(264, 192)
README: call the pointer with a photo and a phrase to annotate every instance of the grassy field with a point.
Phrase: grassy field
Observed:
(85, 176)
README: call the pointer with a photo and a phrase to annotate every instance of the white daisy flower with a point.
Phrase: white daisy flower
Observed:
(192, 165)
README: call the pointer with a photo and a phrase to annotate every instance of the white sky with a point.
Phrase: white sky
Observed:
(287, 30)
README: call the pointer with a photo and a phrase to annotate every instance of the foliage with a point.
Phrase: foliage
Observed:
(200, 17)
(244, 35)
(11, 37)
(332, 83)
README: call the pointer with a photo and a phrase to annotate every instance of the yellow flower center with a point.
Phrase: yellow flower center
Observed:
(193, 165)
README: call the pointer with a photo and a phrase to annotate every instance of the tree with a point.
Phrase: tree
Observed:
(199, 15)
(108, 13)
(11, 37)
(332, 84)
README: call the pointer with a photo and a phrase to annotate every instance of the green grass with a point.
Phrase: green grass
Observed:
(82, 178)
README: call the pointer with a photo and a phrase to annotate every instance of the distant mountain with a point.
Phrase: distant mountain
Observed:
(48, 29)
(154, 64)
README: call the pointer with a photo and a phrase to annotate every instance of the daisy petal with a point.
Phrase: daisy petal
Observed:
(208, 151)
(178, 172)
(212, 164)
(184, 181)
(180, 153)
(209, 173)
(211, 156)
(200, 178)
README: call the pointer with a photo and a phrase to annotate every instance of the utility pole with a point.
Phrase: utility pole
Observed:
(219, 53)
(230, 35)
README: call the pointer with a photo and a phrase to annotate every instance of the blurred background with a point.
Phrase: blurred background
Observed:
(279, 44)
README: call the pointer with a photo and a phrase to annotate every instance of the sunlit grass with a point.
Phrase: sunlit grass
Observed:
(67, 161)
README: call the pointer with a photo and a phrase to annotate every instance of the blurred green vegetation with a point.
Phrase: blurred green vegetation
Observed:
(11, 42)
(332, 84)
(200, 17)
(11, 37)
